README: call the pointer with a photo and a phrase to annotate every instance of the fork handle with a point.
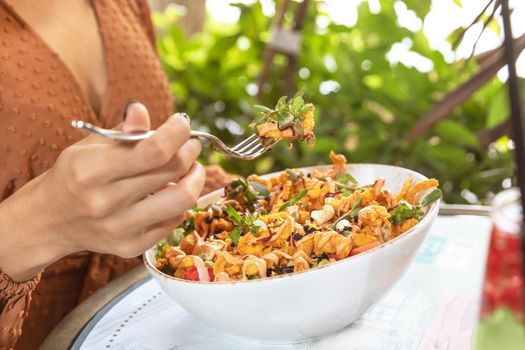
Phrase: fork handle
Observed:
(119, 136)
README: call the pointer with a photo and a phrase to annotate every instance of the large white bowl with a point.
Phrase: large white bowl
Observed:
(308, 304)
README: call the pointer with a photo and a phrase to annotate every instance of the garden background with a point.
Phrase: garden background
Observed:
(367, 96)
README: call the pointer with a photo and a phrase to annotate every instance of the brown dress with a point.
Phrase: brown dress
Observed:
(38, 98)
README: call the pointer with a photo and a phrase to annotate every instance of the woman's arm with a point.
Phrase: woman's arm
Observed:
(100, 195)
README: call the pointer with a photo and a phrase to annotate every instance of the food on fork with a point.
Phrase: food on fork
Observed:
(289, 120)
(291, 222)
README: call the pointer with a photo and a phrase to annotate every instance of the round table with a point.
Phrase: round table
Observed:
(434, 305)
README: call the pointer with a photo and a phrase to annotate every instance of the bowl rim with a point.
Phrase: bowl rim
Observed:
(427, 218)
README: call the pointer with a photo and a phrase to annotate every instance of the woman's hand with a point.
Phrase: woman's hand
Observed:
(103, 196)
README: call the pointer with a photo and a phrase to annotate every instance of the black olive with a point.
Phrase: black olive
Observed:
(287, 269)
(297, 236)
(208, 219)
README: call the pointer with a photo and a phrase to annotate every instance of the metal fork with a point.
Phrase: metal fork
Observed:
(248, 149)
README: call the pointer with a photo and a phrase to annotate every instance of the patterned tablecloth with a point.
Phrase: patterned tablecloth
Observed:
(434, 306)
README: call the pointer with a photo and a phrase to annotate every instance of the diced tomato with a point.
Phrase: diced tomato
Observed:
(192, 274)
(210, 272)
(333, 256)
(364, 248)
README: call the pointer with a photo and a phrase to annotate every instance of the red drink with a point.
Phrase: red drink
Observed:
(502, 320)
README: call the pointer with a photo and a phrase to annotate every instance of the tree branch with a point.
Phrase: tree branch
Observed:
(443, 108)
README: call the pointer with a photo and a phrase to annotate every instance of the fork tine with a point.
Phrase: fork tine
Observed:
(250, 145)
(258, 151)
(244, 142)
(256, 147)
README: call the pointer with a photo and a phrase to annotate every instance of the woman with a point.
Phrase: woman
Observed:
(81, 209)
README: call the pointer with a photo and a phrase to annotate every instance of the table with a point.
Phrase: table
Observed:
(435, 305)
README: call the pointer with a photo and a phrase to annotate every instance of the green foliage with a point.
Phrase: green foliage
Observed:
(364, 104)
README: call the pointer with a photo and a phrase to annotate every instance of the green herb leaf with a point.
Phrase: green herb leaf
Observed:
(233, 214)
(307, 108)
(352, 213)
(256, 226)
(346, 178)
(188, 225)
(404, 211)
(346, 192)
(262, 109)
(431, 197)
(293, 200)
(235, 235)
(160, 248)
(240, 187)
(299, 93)
(285, 119)
(260, 188)
(281, 102)
(298, 129)
(297, 104)
(286, 113)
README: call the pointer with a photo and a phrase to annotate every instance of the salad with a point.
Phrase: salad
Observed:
(291, 222)
(289, 120)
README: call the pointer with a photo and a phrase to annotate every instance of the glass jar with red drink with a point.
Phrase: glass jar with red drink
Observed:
(502, 318)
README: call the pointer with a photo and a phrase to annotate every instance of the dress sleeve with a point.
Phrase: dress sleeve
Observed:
(14, 304)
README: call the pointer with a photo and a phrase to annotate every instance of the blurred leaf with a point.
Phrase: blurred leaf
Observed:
(364, 104)
(456, 133)
(499, 109)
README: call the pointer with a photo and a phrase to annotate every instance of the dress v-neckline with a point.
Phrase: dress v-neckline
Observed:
(93, 115)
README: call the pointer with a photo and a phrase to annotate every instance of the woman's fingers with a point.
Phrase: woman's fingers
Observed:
(130, 190)
(132, 246)
(136, 118)
(169, 202)
(106, 161)
(158, 149)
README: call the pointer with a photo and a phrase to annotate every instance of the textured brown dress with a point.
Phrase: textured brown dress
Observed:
(38, 98)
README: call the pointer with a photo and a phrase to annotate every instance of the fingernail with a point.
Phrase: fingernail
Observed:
(185, 116)
(129, 103)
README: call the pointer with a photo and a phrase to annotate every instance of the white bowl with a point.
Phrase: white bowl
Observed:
(304, 305)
